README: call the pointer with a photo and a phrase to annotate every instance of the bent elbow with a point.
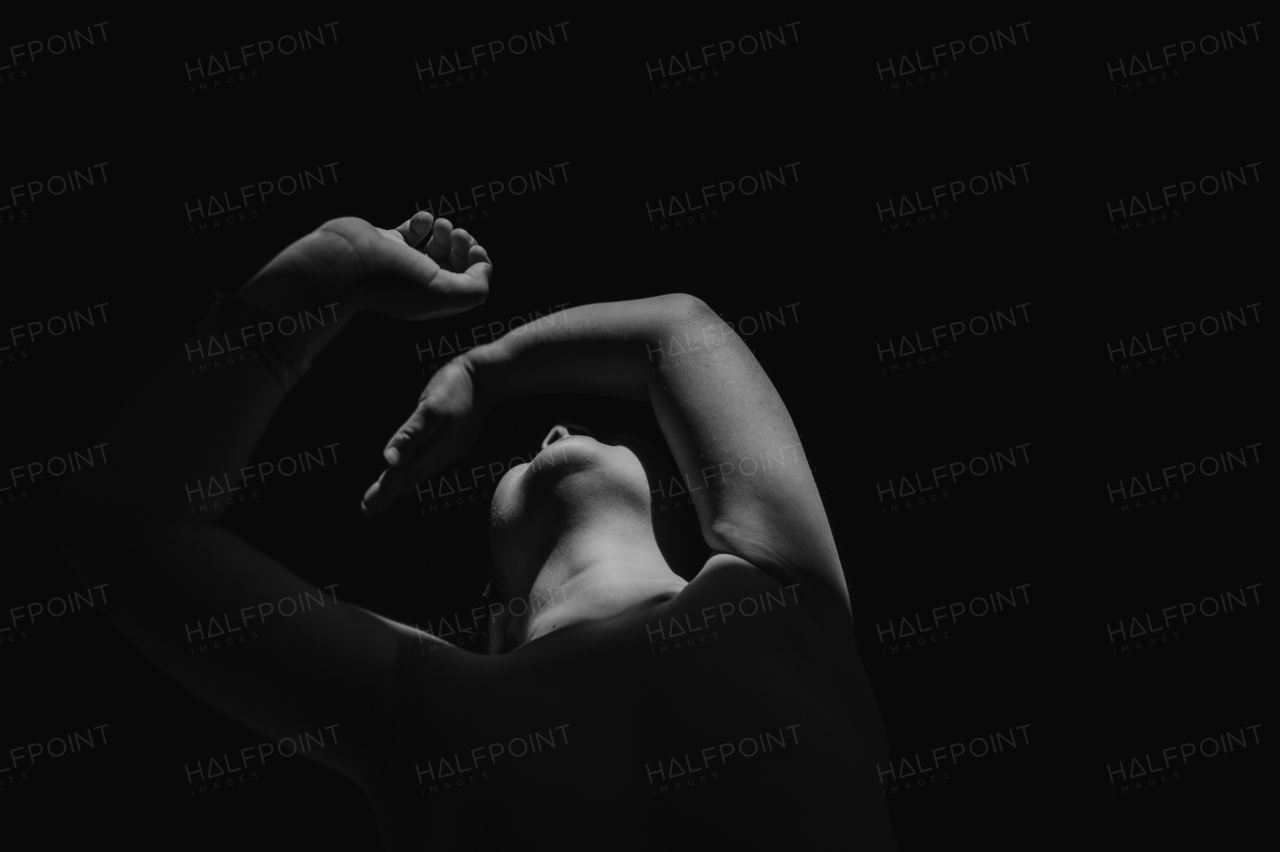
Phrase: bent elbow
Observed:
(685, 304)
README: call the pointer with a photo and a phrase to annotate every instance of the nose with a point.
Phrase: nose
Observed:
(564, 429)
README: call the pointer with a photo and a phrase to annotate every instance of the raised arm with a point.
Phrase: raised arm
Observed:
(178, 583)
(726, 425)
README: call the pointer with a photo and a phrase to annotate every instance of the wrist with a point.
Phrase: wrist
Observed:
(318, 270)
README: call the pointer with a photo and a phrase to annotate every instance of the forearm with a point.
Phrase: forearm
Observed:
(725, 423)
(194, 421)
(608, 348)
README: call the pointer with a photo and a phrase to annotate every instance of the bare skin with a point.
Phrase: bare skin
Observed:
(642, 697)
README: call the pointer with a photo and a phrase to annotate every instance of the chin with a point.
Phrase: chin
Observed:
(574, 475)
(571, 486)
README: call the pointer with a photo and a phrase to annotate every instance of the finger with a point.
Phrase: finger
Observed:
(460, 291)
(395, 481)
(421, 425)
(370, 494)
(416, 228)
(462, 243)
(477, 254)
(479, 266)
(379, 495)
(383, 493)
(438, 247)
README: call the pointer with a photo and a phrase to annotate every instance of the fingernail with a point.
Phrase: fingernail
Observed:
(392, 456)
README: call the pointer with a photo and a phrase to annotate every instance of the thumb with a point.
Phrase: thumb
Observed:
(479, 266)
(422, 424)
(456, 292)
(476, 277)
(426, 458)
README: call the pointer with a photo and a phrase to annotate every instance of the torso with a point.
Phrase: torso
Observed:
(668, 724)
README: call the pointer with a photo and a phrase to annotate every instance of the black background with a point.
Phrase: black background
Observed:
(815, 244)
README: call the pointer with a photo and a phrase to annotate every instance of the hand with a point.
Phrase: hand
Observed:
(441, 431)
(423, 269)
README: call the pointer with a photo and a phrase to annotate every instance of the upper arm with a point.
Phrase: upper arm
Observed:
(733, 439)
(252, 638)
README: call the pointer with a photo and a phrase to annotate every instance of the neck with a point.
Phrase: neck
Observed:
(598, 577)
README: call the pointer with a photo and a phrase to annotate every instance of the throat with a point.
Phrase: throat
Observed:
(576, 602)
